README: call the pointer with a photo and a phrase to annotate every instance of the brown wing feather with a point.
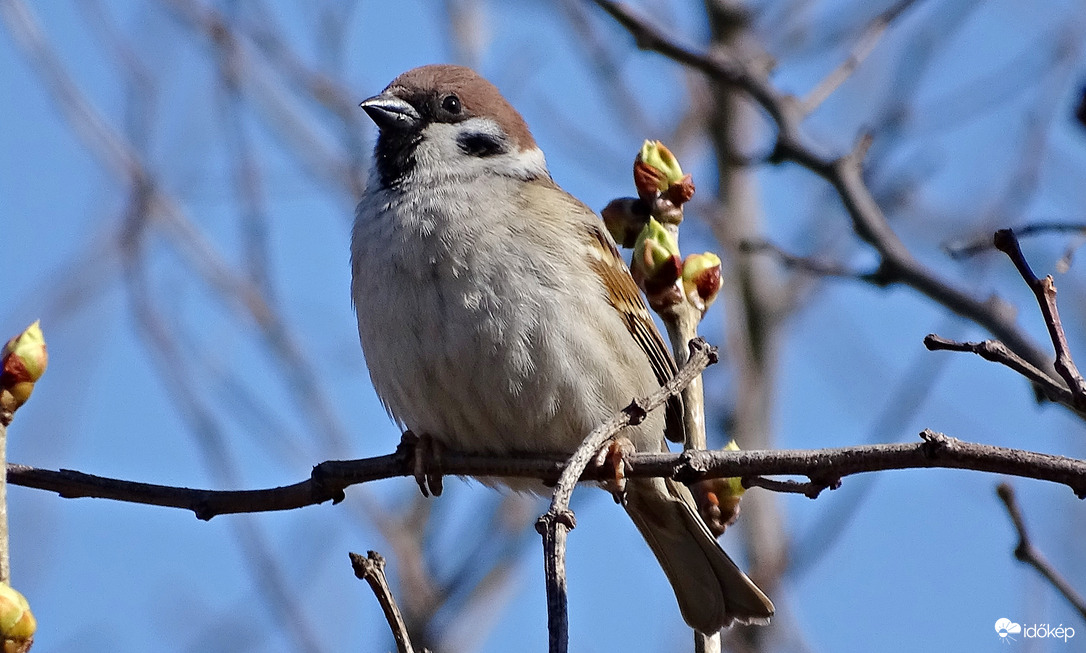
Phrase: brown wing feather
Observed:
(626, 297)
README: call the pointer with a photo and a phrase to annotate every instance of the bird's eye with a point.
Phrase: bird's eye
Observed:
(451, 103)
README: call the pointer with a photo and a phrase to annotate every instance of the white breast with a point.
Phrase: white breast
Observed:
(473, 333)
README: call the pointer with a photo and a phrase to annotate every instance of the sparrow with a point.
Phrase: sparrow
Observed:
(497, 316)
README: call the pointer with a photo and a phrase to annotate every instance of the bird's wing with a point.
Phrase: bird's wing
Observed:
(625, 296)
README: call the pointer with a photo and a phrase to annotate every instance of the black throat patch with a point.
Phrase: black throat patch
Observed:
(394, 155)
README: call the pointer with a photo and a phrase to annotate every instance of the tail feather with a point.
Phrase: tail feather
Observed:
(712, 592)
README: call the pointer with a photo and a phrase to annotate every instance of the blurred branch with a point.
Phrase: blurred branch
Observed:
(170, 359)
(117, 154)
(844, 173)
(283, 115)
(815, 266)
(606, 65)
(756, 298)
(247, 178)
(479, 600)
(1029, 554)
(330, 478)
(971, 248)
(856, 56)
(327, 91)
(372, 570)
(467, 30)
(891, 422)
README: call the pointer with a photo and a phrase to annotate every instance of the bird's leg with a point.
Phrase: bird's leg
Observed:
(425, 454)
(613, 456)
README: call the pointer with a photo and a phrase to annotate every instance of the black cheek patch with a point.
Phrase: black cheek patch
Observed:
(480, 144)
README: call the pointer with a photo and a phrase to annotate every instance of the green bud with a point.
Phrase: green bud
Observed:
(22, 362)
(701, 279)
(654, 246)
(28, 348)
(656, 155)
(734, 484)
(17, 622)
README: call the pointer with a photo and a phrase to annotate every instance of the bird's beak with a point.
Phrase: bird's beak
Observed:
(390, 112)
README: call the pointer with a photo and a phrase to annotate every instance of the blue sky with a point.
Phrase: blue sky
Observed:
(904, 561)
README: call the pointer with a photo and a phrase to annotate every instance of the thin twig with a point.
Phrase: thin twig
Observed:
(810, 489)
(5, 544)
(330, 478)
(859, 52)
(997, 352)
(1029, 554)
(681, 322)
(372, 570)
(1045, 291)
(556, 523)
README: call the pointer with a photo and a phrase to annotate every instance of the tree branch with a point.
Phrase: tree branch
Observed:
(996, 352)
(963, 250)
(1027, 553)
(1045, 291)
(372, 570)
(806, 264)
(330, 478)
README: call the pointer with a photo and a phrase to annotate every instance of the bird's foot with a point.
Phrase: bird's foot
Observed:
(612, 458)
(425, 453)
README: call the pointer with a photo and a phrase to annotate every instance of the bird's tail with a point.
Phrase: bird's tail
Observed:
(712, 591)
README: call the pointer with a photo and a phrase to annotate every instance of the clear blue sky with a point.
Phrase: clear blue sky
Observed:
(924, 559)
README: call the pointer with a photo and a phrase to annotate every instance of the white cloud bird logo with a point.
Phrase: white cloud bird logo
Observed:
(1005, 628)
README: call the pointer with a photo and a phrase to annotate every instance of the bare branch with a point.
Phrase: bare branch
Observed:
(330, 478)
(1027, 553)
(815, 266)
(810, 489)
(372, 570)
(997, 352)
(1045, 291)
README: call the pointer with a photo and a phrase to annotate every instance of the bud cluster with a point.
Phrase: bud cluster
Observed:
(648, 223)
(672, 284)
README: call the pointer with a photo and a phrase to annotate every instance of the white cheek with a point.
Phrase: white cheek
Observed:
(439, 157)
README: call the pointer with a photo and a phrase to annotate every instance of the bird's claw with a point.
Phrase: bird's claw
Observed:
(426, 462)
(613, 456)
